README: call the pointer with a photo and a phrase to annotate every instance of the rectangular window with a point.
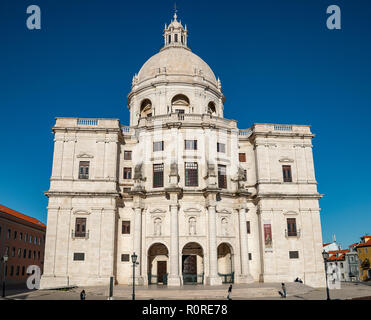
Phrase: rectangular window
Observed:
(291, 227)
(17, 272)
(15, 235)
(11, 270)
(286, 171)
(244, 175)
(158, 175)
(294, 254)
(124, 257)
(125, 227)
(127, 173)
(222, 176)
(80, 227)
(79, 256)
(190, 144)
(250, 256)
(23, 270)
(242, 157)
(24, 253)
(158, 146)
(180, 111)
(191, 174)
(20, 236)
(248, 227)
(30, 238)
(13, 252)
(176, 38)
(220, 147)
(127, 155)
(8, 235)
(84, 170)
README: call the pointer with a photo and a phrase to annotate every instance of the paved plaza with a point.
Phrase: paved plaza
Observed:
(255, 291)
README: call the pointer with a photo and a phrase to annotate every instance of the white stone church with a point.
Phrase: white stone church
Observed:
(197, 199)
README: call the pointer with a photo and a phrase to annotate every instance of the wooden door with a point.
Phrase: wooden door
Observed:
(161, 271)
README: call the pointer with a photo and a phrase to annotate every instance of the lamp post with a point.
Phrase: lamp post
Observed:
(5, 259)
(134, 260)
(325, 256)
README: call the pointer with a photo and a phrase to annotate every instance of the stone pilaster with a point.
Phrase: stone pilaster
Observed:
(245, 276)
(137, 245)
(213, 278)
(174, 278)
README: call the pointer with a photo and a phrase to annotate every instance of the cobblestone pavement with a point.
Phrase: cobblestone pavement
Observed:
(255, 291)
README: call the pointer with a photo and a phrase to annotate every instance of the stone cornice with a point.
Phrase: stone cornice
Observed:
(81, 194)
(289, 195)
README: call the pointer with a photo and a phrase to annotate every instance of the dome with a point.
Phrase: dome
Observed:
(176, 60)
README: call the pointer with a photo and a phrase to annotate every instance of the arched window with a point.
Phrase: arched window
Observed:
(169, 38)
(180, 103)
(211, 108)
(146, 108)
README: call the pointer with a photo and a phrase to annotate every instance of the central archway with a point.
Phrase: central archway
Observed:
(192, 264)
(158, 258)
(225, 263)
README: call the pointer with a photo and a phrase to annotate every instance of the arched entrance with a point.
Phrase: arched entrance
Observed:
(225, 263)
(192, 264)
(158, 257)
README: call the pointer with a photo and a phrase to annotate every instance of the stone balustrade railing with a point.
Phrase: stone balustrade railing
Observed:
(187, 118)
(281, 128)
(87, 123)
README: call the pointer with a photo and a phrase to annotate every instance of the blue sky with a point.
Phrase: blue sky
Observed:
(277, 61)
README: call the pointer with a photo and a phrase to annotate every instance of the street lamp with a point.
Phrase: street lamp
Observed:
(5, 259)
(325, 256)
(134, 260)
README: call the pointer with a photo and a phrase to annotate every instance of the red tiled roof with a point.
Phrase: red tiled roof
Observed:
(353, 245)
(366, 244)
(338, 251)
(21, 216)
(366, 236)
(335, 258)
(325, 244)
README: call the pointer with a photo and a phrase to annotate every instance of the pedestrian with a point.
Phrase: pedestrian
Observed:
(283, 292)
(229, 292)
(82, 295)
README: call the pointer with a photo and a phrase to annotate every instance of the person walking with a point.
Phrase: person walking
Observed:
(229, 292)
(283, 292)
(82, 295)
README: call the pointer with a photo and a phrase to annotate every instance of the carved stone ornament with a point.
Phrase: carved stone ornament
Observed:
(174, 169)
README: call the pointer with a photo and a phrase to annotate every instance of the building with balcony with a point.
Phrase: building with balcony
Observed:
(364, 257)
(196, 198)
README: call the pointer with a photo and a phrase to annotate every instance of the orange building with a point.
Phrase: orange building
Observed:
(22, 239)
(364, 255)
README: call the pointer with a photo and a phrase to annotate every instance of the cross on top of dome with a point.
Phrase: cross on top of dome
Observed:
(174, 34)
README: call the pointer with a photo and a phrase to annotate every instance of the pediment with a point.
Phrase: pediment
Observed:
(84, 155)
(286, 159)
(157, 211)
(290, 213)
(192, 211)
(81, 212)
(224, 211)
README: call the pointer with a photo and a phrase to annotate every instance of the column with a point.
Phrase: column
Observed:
(174, 278)
(137, 246)
(213, 278)
(245, 276)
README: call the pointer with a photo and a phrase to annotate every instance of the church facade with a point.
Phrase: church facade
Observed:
(197, 199)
